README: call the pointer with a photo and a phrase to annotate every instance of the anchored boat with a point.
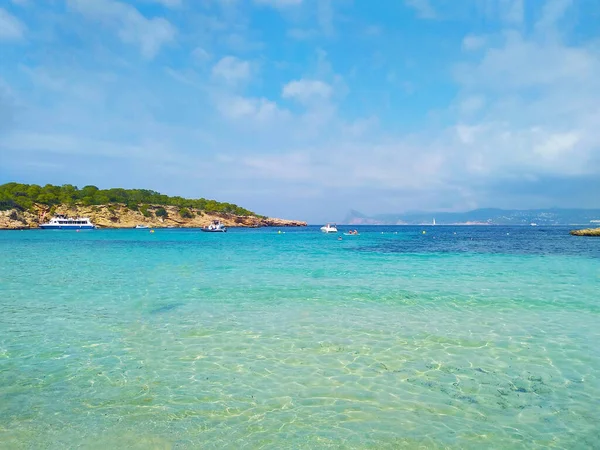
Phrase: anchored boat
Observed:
(215, 227)
(329, 228)
(61, 222)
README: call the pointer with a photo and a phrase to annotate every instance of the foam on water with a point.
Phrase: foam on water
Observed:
(253, 339)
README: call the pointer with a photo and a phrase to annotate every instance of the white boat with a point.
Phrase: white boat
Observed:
(215, 227)
(533, 224)
(61, 222)
(329, 228)
(141, 227)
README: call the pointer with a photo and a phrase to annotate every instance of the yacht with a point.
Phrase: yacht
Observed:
(141, 227)
(61, 222)
(215, 227)
(329, 228)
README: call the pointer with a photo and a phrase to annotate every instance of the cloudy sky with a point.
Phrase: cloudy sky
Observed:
(307, 108)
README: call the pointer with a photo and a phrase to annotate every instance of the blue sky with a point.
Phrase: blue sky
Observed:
(307, 108)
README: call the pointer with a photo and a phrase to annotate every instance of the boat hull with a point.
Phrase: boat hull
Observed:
(213, 231)
(67, 227)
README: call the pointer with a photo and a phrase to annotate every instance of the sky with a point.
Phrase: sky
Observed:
(305, 109)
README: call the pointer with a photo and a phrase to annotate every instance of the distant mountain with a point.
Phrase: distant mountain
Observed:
(488, 216)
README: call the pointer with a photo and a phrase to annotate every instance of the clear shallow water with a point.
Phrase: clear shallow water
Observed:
(487, 338)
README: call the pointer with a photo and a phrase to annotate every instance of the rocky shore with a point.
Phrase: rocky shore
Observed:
(119, 216)
(586, 232)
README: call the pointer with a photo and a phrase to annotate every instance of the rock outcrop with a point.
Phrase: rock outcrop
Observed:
(119, 216)
(586, 232)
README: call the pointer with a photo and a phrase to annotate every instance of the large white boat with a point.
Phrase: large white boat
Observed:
(61, 222)
(329, 228)
(215, 227)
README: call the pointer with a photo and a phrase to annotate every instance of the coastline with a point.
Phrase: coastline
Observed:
(120, 216)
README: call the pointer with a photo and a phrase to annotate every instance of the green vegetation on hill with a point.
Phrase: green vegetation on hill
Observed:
(23, 196)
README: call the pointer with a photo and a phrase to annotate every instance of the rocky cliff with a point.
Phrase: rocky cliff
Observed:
(119, 216)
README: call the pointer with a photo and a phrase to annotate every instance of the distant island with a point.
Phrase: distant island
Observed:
(28, 205)
(487, 216)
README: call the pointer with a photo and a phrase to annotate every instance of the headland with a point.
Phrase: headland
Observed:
(25, 206)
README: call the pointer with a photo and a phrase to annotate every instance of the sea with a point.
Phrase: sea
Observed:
(431, 337)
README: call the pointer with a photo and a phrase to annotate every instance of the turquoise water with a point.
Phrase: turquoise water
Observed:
(464, 337)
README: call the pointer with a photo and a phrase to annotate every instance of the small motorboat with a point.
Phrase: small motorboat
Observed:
(329, 228)
(141, 227)
(215, 227)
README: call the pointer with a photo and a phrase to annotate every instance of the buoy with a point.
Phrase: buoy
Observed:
(151, 231)
(423, 231)
(279, 232)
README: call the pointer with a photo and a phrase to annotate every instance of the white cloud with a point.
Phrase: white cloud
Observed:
(472, 104)
(472, 42)
(258, 110)
(360, 127)
(132, 27)
(521, 63)
(302, 34)
(8, 106)
(232, 70)
(552, 12)
(423, 8)
(325, 15)
(553, 146)
(292, 166)
(306, 91)
(11, 28)
(531, 104)
(168, 3)
(279, 3)
(512, 11)
(201, 55)
(508, 12)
